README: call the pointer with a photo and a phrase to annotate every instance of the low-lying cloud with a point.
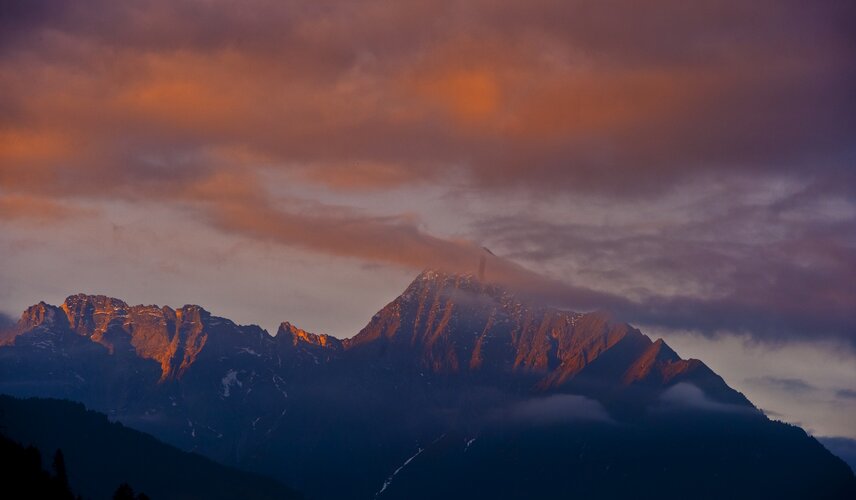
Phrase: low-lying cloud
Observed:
(849, 394)
(685, 396)
(6, 321)
(558, 408)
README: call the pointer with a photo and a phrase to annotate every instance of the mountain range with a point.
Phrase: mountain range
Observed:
(458, 387)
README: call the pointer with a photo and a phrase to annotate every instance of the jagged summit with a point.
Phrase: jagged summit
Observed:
(290, 333)
(464, 283)
(443, 323)
(85, 306)
(463, 278)
(465, 287)
(171, 337)
(455, 323)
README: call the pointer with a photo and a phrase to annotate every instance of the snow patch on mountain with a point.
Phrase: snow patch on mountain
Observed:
(280, 383)
(469, 443)
(390, 478)
(230, 380)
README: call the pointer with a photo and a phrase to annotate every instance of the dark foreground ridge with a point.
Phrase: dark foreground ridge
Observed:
(101, 455)
(457, 388)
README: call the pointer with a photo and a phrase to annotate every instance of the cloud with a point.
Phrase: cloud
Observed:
(845, 394)
(793, 385)
(39, 209)
(685, 396)
(558, 95)
(771, 413)
(558, 408)
(611, 103)
(769, 257)
(6, 321)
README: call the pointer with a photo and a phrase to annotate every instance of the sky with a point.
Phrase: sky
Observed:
(689, 166)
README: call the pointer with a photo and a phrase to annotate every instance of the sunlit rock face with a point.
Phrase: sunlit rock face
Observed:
(302, 347)
(47, 324)
(452, 359)
(449, 323)
(173, 338)
(455, 323)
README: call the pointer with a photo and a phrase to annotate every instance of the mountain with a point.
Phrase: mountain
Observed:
(451, 359)
(457, 324)
(100, 455)
(676, 456)
(842, 447)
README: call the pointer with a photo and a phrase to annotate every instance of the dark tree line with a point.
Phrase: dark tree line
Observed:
(21, 471)
(23, 475)
(125, 492)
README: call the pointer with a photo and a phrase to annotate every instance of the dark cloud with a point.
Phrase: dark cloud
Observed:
(793, 385)
(845, 394)
(738, 258)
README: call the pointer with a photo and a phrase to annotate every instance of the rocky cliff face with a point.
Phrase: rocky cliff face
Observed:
(302, 347)
(448, 323)
(173, 338)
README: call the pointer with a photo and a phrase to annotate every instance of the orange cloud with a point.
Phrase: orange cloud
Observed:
(34, 146)
(552, 96)
(31, 158)
(469, 95)
(357, 175)
(26, 208)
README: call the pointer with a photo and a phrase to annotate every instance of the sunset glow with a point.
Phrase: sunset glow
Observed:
(690, 168)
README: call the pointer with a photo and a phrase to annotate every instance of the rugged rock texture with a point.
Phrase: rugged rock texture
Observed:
(449, 323)
(173, 338)
(452, 354)
(302, 347)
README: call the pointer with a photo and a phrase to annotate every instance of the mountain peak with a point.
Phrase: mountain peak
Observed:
(448, 282)
(429, 274)
(456, 322)
(452, 323)
(437, 276)
(171, 337)
(99, 301)
(41, 316)
(82, 304)
(297, 336)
